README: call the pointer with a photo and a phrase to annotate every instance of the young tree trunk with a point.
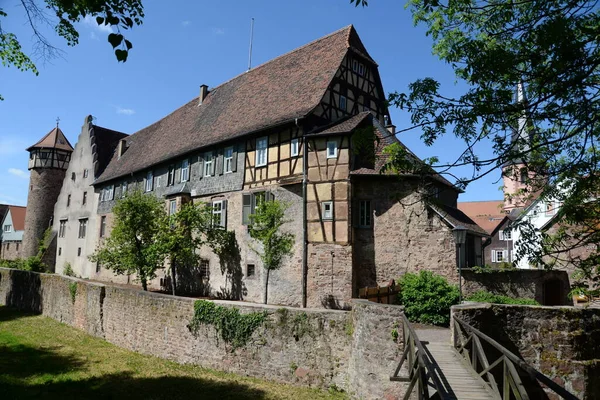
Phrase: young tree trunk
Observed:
(173, 283)
(144, 283)
(267, 286)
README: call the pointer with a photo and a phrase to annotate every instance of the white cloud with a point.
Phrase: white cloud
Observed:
(18, 172)
(125, 111)
(91, 22)
(186, 23)
(218, 31)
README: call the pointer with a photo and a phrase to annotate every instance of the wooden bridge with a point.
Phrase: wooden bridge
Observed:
(438, 369)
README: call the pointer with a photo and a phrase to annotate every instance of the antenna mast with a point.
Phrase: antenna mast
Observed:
(251, 38)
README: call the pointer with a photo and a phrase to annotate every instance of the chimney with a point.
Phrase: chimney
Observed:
(122, 147)
(203, 94)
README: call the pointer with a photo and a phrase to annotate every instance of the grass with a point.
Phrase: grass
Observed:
(44, 359)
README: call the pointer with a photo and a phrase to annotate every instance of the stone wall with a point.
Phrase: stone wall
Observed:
(561, 342)
(10, 250)
(353, 351)
(546, 287)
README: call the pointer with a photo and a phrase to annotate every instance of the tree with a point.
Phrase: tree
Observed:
(132, 247)
(266, 229)
(551, 48)
(63, 14)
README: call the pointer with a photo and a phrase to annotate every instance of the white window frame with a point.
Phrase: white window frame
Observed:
(149, 181)
(217, 210)
(228, 160)
(364, 214)
(503, 235)
(327, 215)
(8, 228)
(185, 170)
(504, 255)
(110, 193)
(208, 162)
(172, 207)
(294, 147)
(262, 151)
(335, 149)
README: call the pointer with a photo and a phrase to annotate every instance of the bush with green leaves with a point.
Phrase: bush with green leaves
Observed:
(68, 270)
(482, 296)
(427, 297)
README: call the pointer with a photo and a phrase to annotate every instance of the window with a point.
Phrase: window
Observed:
(85, 173)
(185, 170)
(73, 176)
(172, 207)
(250, 271)
(59, 251)
(355, 65)
(97, 267)
(82, 227)
(158, 181)
(171, 176)
(249, 203)
(364, 214)
(327, 209)
(102, 226)
(208, 164)
(331, 149)
(228, 159)
(7, 246)
(361, 69)
(7, 228)
(523, 175)
(123, 189)
(505, 234)
(261, 151)
(149, 181)
(343, 103)
(68, 200)
(500, 256)
(219, 213)
(17, 245)
(62, 228)
(79, 252)
(84, 200)
(110, 193)
(294, 146)
(204, 269)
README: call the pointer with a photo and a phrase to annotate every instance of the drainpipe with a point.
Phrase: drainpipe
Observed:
(304, 215)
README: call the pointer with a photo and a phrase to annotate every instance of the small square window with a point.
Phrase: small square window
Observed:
(250, 271)
(327, 210)
(294, 147)
(332, 149)
(8, 228)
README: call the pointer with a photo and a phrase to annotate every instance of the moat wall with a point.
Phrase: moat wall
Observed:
(353, 351)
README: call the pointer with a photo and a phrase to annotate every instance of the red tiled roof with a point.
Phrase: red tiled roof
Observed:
(55, 139)
(456, 217)
(285, 88)
(487, 214)
(17, 213)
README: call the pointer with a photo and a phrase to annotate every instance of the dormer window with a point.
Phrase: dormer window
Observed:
(185, 170)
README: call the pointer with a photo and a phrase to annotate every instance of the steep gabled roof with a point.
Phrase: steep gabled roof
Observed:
(55, 139)
(454, 217)
(277, 92)
(106, 142)
(17, 214)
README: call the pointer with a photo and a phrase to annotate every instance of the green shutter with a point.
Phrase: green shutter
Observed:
(246, 208)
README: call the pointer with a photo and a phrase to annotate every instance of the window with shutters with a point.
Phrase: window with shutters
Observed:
(499, 256)
(505, 234)
(149, 181)
(249, 203)
(219, 211)
(185, 170)
(294, 147)
(82, 228)
(171, 176)
(364, 214)
(208, 164)
(261, 151)
(228, 159)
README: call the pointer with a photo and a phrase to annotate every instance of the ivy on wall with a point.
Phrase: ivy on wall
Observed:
(234, 328)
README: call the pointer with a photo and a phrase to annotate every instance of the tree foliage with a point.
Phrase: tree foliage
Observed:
(132, 247)
(266, 226)
(551, 48)
(63, 15)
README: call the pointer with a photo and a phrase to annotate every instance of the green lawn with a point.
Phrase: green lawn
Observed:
(41, 358)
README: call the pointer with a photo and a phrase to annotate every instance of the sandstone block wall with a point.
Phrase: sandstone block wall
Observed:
(10, 250)
(353, 351)
(546, 287)
(561, 342)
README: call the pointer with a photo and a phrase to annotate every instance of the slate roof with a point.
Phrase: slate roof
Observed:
(55, 139)
(275, 93)
(107, 141)
(456, 217)
(487, 214)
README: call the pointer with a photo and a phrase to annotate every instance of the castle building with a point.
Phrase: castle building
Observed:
(289, 130)
(48, 160)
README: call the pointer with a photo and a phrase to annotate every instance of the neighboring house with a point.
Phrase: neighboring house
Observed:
(498, 249)
(287, 130)
(11, 237)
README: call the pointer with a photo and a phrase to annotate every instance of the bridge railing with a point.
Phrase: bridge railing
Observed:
(468, 342)
(421, 372)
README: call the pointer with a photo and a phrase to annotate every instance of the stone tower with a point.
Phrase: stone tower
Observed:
(515, 175)
(48, 162)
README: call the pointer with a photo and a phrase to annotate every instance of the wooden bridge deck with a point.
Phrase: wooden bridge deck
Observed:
(459, 381)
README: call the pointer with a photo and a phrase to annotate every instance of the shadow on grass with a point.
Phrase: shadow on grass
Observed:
(125, 386)
(18, 361)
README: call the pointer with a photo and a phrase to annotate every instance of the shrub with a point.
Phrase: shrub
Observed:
(482, 296)
(427, 297)
(68, 270)
(34, 264)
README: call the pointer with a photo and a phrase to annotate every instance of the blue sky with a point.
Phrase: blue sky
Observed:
(187, 44)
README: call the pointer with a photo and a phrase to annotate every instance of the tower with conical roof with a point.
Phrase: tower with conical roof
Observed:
(48, 162)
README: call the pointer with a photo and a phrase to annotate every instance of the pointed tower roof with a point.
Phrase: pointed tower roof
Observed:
(55, 139)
